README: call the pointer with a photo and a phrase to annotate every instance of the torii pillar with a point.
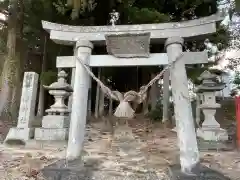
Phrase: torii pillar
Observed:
(189, 154)
(79, 101)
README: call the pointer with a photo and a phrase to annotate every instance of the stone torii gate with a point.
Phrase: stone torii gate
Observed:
(84, 37)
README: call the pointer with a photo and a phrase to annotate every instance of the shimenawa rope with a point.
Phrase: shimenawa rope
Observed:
(124, 109)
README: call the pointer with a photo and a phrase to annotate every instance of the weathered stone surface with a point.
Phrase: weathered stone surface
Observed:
(55, 124)
(154, 59)
(28, 100)
(22, 134)
(51, 134)
(128, 45)
(24, 130)
(53, 121)
(210, 130)
(204, 145)
(79, 101)
(182, 106)
(64, 34)
(212, 134)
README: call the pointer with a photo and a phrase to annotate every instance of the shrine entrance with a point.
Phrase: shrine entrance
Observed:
(128, 46)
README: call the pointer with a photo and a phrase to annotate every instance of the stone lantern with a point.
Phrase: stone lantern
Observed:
(210, 129)
(56, 123)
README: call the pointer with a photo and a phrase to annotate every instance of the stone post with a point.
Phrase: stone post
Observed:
(79, 101)
(24, 130)
(189, 154)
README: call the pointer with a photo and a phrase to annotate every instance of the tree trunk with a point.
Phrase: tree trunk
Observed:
(97, 96)
(145, 109)
(101, 100)
(11, 69)
(154, 94)
(40, 111)
(16, 95)
(145, 80)
(101, 104)
(110, 109)
(166, 96)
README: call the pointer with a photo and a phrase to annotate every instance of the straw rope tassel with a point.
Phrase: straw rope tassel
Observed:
(124, 110)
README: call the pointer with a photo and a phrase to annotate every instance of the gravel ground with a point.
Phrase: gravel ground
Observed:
(130, 152)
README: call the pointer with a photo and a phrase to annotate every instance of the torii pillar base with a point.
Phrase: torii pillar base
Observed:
(199, 172)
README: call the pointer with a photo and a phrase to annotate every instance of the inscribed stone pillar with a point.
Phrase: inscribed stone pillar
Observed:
(166, 96)
(189, 154)
(79, 101)
(24, 130)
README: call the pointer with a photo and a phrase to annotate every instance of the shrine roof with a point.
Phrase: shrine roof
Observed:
(68, 35)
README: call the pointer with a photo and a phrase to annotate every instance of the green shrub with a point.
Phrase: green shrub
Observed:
(48, 77)
(156, 114)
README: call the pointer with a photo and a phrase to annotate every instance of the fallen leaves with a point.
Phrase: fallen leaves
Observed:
(156, 150)
(24, 163)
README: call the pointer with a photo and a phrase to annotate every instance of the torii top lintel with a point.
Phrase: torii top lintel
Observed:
(68, 35)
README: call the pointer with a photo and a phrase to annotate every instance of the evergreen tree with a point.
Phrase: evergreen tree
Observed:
(90, 12)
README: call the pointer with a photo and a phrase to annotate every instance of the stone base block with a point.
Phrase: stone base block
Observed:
(51, 134)
(19, 134)
(212, 134)
(215, 145)
(55, 121)
(200, 172)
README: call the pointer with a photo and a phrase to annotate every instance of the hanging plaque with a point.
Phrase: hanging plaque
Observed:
(128, 45)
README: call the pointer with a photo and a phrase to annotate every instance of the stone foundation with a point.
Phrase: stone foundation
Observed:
(212, 134)
(54, 128)
(51, 134)
(55, 121)
(22, 134)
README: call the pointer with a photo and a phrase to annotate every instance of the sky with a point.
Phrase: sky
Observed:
(232, 52)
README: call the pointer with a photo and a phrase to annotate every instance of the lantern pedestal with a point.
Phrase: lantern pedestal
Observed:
(210, 133)
(55, 125)
(211, 130)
